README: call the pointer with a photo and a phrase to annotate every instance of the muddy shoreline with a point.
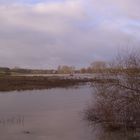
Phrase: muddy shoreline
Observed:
(10, 83)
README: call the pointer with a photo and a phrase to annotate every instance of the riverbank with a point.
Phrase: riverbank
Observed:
(9, 83)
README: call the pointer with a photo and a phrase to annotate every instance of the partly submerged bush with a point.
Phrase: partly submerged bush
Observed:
(116, 105)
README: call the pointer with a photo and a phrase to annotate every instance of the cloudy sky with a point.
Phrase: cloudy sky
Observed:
(46, 33)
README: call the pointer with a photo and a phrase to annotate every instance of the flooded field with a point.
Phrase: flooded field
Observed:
(54, 114)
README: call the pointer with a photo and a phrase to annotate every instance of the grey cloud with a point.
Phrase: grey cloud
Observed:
(46, 35)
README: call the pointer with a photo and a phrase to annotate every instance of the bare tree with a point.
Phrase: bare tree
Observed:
(65, 69)
(97, 65)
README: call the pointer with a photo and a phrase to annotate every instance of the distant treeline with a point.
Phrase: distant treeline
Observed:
(62, 69)
(8, 71)
(95, 67)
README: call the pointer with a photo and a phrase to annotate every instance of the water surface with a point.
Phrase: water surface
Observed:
(54, 114)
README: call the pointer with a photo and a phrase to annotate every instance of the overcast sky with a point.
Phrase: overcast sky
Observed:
(48, 33)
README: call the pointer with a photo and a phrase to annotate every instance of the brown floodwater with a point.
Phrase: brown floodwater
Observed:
(54, 114)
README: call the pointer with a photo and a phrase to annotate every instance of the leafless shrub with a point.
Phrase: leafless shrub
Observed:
(117, 104)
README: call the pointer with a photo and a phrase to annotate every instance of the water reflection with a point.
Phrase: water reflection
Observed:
(11, 121)
(119, 136)
(53, 114)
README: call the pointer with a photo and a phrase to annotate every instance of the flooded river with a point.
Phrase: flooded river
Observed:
(54, 114)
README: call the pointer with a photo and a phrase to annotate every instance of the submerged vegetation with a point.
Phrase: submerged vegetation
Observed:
(116, 105)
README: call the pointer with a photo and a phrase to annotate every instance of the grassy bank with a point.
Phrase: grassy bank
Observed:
(9, 83)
